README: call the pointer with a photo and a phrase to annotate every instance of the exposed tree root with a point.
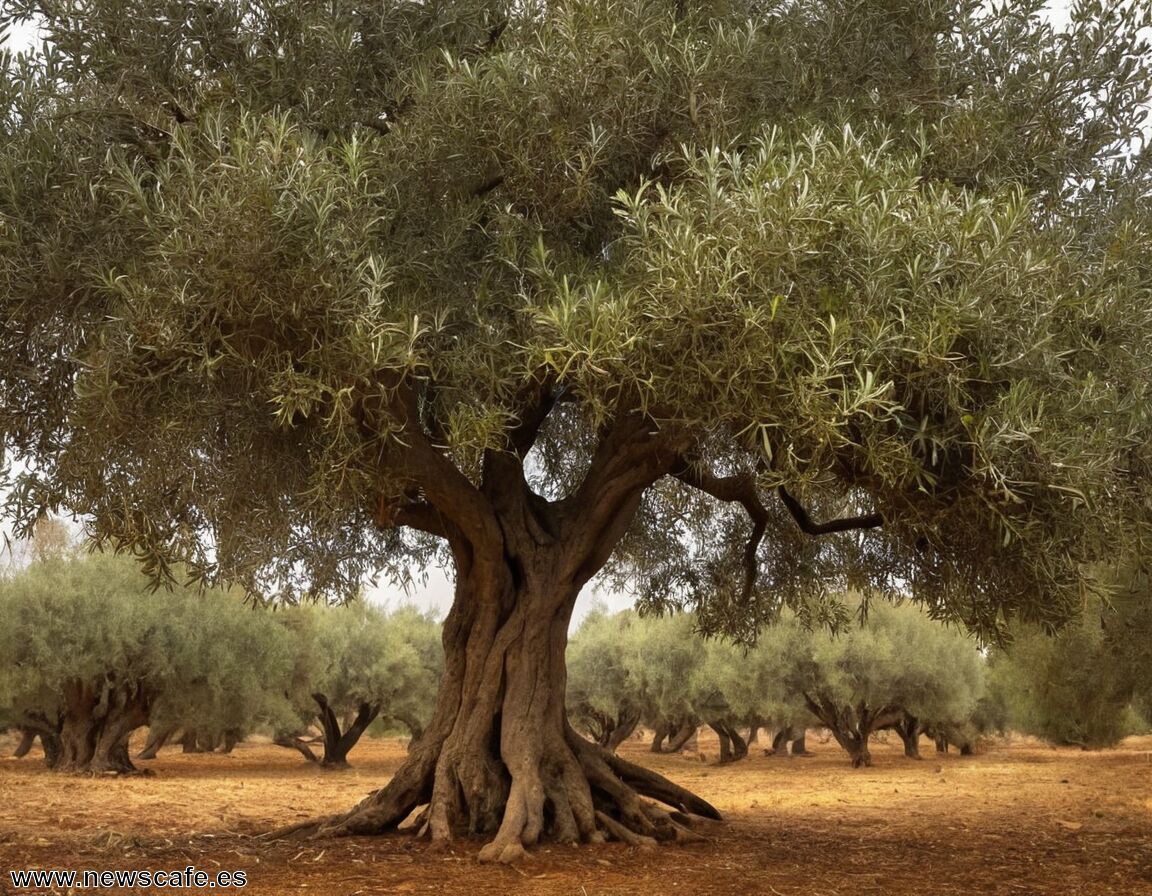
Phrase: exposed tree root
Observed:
(580, 793)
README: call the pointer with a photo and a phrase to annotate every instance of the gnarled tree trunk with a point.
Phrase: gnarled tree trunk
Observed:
(908, 727)
(732, 745)
(625, 724)
(337, 744)
(852, 726)
(683, 734)
(157, 737)
(499, 758)
(659, 735)
(38, 724)
(27, 739)
(230, 738)
(97, 722)
(780, 742)
(295, 742)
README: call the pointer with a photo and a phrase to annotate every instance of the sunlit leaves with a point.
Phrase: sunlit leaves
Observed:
(889, 254)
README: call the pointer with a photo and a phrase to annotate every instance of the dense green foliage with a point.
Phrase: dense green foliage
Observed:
(276, 275)
(1088, 685)
(88, 652)
(83, 630)
(898, 662)
(358, 654)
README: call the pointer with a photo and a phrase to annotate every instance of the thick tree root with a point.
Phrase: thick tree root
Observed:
(593, 795)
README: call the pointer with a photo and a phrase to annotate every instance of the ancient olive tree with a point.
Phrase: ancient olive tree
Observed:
(88, 654)
(741, 303)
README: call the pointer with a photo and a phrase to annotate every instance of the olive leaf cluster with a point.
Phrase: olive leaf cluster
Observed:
(269, 268)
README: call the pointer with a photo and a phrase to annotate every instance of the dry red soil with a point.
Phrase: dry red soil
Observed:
(1020, 818)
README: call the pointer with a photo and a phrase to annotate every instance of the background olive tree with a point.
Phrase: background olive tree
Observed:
(353, 664)
(740, 305)
(1088, 685)
(88, 653)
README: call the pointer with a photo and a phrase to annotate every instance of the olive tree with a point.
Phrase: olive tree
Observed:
(897, 668)
(1079, 687)
(353, 664)
(740, 304)
(87, 654)
(604, 696)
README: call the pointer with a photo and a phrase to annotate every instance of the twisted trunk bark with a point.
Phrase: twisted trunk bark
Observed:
(625, 725)
(852, 726)
(499, 758)
(157, 737)
(780, 742)
(684, 733)
(908, 727)
(97, 722)
(732, 745)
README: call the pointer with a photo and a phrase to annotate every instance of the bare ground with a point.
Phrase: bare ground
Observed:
(1021, 818)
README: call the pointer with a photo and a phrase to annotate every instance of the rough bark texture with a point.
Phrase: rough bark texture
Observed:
(499, 758)
(852, 726)
(732, 745)
(625, 725)
(800, 745)
(908, 727)
(97, 722)
(683, 734)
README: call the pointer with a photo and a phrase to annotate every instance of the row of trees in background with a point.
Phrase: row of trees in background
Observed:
(1090, 685)
(87, 656)
(899, 670)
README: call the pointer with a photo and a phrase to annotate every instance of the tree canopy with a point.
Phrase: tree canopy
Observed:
(740, 304)
(87, 656)
(280, 277)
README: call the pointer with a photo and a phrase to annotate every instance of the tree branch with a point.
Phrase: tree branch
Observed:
(537, 401)
(632, 454)
(450, 502)
(740, 489)
(844, 524)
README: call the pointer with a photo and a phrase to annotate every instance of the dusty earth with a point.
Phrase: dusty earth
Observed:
(1020, 818)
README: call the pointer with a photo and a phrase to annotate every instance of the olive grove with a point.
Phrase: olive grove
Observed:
(739, 305)
(896, 669)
